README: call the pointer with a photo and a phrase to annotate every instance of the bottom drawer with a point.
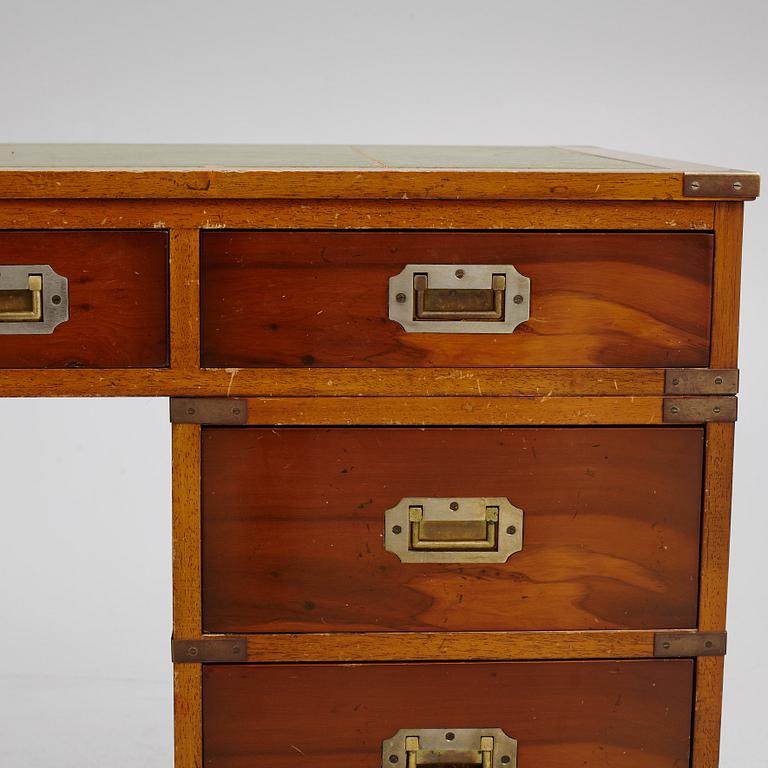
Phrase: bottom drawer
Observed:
(627, 714)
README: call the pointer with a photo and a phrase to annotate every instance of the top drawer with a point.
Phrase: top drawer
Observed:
(84, 299)
(323, 299)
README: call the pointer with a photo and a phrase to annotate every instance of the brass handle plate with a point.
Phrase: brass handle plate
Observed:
(453, 530)
(486, 747)
(459, 298)
(33, 299)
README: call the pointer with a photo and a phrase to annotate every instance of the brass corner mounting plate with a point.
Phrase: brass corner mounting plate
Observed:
(210, 650)
(739, 185)
(701, 381)
(676, 645)
(699, 410)
(209, 410)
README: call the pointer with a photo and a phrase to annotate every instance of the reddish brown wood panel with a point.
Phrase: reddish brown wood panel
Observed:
(625, 714)
(320, 299)
(118, 296)
(293, 528)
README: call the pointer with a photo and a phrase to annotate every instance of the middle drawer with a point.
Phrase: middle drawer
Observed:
(315, 529)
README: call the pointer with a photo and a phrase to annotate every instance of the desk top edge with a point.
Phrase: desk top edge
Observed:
(453, 172)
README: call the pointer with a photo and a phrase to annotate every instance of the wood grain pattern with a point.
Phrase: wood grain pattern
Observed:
(400, 411)
(356, 214)
(448, 646)
(633, 714)
(727, 285)
(384, 382)
(352, 184)
(716, 527)
(305, 299)
(707, 712)
(186, 530)
(184, 300)
(118, 293)
(611, 529)
(187, 716)
(187, 678)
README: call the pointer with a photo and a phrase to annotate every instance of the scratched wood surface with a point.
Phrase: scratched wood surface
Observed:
(611, 528)
(306, 299)
(478, 410)
(357, 214)
(187, 678)
(118, 300)
(627, 714)
(448, 646)
(337, 171)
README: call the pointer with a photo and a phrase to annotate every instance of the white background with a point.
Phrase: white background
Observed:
(84, 484)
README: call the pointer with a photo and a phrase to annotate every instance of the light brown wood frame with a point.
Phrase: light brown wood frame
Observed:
(183, 219)
(415, 646)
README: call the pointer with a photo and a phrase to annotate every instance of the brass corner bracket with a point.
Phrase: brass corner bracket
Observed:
(699, 410)
(208, 410)
(701, 381)
(210, 650)
(736, 184)
(676, 645)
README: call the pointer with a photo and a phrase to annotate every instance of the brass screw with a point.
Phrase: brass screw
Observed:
(393, 758)
(695, 185)
(505, 759)
(518, 299)
(192, 650)
(400, 299)
(511, 530)
(56, 299)
(674, 409)
(708, 644)
(737, 185)
(666, 645)
(191, 411)
(235, 411)
(454, 505)
(460, 273)
(396, 529)
(716, 409)
(450, 736)
(675, 382)
(718, 379)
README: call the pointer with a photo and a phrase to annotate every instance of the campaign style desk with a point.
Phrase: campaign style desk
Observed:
(452, 435)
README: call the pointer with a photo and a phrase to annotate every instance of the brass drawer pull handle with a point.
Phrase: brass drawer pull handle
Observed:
(471, 298)
(24, 306)
(33, 299)
(445, 530)
(485, 747)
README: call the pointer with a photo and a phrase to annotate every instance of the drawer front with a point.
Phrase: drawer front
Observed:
(294, 534)
(323, 299)
(117, 286)
(627, 714)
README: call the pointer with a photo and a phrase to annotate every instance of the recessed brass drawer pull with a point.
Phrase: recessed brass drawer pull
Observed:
(486, 747)
(33, 299)
(469, 298)
(460, 530)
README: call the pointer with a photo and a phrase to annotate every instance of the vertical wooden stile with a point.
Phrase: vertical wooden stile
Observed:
(185, 298)
(718, 473)
(187, 621)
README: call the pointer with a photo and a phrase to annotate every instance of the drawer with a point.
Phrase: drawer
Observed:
(596, 527)
(324, 299)
(107, 290)
(627, 714)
